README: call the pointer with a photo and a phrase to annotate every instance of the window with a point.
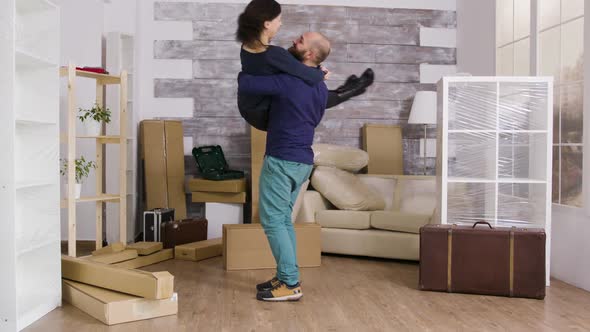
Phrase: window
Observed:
(559, 30)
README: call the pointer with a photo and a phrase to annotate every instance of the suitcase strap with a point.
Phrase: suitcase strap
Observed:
(450, 259)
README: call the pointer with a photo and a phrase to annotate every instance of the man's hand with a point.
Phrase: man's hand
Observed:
(326, 72)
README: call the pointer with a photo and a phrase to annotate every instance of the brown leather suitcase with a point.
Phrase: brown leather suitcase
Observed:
(174, 233)
(480, 259)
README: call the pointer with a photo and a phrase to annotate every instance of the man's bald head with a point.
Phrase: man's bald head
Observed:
(312, 48)
(320, 46)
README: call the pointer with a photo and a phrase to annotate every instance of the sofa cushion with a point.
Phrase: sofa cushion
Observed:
(399, 221)
(416, 195)
(384, 185)
(371, 242)
(345, 190)
(339, 156)
(344, 219)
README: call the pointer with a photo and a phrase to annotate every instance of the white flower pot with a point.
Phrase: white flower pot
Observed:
(91, 128)
(77, 190)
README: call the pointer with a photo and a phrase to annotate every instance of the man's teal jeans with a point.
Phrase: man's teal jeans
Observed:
(280, 182)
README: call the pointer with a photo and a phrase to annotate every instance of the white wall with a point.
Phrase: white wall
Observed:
(81, 31)
(570, 256)
(476, 37)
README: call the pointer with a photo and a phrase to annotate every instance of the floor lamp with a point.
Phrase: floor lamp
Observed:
(423, 112)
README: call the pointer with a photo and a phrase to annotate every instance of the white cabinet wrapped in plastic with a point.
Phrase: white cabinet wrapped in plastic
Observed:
(494, 152)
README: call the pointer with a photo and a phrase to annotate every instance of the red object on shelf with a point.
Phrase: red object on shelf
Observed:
(97, 70)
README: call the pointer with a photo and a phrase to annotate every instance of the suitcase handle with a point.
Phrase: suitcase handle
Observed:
(482, 223)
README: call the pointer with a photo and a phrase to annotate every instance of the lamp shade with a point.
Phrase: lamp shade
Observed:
(423, 108)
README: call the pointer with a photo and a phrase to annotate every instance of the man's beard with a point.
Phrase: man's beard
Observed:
(295, 53)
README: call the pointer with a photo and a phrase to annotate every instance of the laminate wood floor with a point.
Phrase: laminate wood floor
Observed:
(345, 294)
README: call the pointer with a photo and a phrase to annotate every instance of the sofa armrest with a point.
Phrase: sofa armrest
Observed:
(313, 202)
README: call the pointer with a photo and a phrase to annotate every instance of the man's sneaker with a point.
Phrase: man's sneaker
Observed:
(267, 285)
(281, 292)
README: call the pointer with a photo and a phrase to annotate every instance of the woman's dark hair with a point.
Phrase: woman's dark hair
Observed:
(251, 21)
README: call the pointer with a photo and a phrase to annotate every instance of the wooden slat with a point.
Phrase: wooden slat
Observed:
(99, 171)
(102, 78)
(123, 158)
(71, 204)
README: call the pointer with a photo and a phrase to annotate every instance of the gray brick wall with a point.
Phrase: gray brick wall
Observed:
(387, 40)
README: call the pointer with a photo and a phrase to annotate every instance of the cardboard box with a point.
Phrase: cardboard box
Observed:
(117, 257)
(151, 285)
(146, 248)
(198, 251)
(211, 197)
(110, 249)
(246, 247)
(383, 143)
(218, 214)
(114, 308)
(257, 150)
(162, 156)
(224, 186)
(142, 261)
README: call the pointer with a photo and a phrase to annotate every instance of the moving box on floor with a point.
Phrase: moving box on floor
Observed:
(112, 307)
(198, 251)
(151, 285)
(245, 246)
(162, 157)
(110, 249)
(142, 261)
(116, 257)
(146, 248)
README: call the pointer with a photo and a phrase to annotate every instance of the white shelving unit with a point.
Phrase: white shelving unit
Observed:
(30, 282)
(494, 152)
(120, 56)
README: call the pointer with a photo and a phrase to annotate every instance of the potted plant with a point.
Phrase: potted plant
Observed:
(93, 118)
(82, 170)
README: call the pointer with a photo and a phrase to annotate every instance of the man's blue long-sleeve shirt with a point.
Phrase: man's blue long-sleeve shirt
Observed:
(296, 110)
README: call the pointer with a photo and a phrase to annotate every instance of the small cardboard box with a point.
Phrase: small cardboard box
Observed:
(117, 257)
(142, 261)
(212, 197)
(151, 285)
(110, 249)
(224, 186)
(162, 156)
(198, 251)
(146, 248)
(112, 307)
(246, 247)
(383, 143)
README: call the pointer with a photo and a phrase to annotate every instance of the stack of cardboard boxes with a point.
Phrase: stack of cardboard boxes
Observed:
(224, 202)
(107, 287)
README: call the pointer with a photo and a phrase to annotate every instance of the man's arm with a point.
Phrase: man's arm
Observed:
(270, 85)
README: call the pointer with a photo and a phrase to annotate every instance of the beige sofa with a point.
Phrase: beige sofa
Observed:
(391, 233)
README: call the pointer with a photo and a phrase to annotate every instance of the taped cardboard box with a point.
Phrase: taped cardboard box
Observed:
(224, 186)
(146, 248)
(110, 249)
(246, 246)
(112, 307)
(257, 150)
(162, 155)
(142, 261)
(198, 251)
(211, 197)
(383, 143)
(151, 285)
(117, 257)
